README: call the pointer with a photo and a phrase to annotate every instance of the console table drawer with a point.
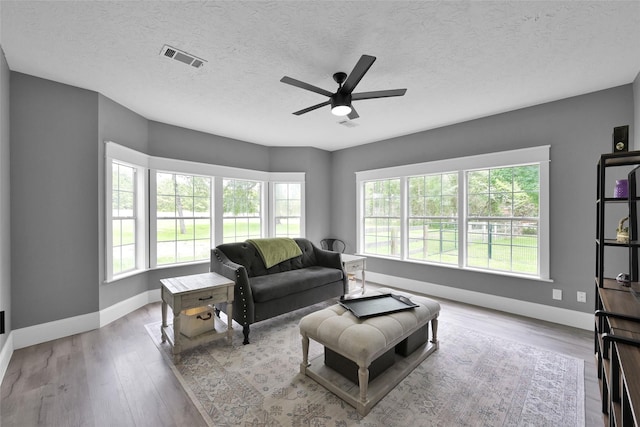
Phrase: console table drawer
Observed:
(198, 299)
(351, 267)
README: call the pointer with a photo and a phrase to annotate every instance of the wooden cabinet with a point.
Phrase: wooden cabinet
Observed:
(617, 307)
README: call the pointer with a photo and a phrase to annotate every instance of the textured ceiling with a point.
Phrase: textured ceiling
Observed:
(458, 60)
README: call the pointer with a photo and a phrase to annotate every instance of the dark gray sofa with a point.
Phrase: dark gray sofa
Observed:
(262, 293)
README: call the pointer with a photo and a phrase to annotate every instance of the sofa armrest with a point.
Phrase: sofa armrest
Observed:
(327, 258)
(332, 259)
(243, 297)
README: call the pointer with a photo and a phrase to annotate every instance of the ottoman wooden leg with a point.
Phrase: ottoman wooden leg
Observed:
(434, 330)
(305, 354)
(363, 380)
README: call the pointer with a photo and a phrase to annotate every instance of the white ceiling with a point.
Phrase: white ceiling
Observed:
(458, 60)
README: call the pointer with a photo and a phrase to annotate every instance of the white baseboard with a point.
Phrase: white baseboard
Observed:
(576, 319)
(36, 334)
(43, 332)
(125, 307)
(5, 355)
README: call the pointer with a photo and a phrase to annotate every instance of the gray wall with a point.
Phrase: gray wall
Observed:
(5, 226)
(578, 129)
(54, 197)
(317, 164)
(185, 144)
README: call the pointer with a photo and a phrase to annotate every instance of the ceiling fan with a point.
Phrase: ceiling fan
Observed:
(340, 101)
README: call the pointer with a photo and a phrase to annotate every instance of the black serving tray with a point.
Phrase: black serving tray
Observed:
(377, 305)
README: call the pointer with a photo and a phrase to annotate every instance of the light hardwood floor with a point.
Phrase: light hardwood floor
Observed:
(115, 375)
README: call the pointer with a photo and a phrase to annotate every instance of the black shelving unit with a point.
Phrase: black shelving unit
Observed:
(617, 309)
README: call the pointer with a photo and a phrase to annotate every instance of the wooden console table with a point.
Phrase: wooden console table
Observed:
(198, 290)
(353, 264)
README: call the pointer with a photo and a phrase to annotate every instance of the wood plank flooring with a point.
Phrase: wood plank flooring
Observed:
(115, 375)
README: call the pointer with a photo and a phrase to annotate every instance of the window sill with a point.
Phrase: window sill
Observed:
(125, 276)
(160, 267)
(182, 264)
(456, 267)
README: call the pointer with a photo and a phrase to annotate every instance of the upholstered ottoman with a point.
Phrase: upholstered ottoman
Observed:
(365, 340)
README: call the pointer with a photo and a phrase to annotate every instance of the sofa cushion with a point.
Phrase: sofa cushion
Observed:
(277, 285)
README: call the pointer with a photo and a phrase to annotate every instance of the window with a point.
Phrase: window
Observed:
(183, 218)
(432, 229)
(242, 204)
(488, 212)
(123, 218)
(162, 212)
(382, 217)
(126, 230)
(503, 217)
(287, 207)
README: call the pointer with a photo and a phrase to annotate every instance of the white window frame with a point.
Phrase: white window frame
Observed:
(402, 248)
(119, 154)
(263, 206)
(288, 178)
(428, 217)
(153, 225)
(533, 155)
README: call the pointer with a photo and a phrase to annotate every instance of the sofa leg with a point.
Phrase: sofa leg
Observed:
(217, 311)
(245, 332)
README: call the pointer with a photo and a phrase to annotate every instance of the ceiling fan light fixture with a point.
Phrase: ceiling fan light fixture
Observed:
(340, 110)
(341, 104)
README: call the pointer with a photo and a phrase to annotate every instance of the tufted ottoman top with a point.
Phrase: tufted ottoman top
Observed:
(363, 340)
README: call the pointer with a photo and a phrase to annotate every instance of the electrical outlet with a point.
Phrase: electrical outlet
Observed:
(557, 294)
(582, 296)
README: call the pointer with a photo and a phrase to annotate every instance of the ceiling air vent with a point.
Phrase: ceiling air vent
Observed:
(347, 123)
(182, 56)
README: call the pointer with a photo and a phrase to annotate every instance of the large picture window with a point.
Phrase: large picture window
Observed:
(432, 230)
(183, 218)
(487, 212)
(502, 220)
(381, 229)
(242, 201)
(287, 207)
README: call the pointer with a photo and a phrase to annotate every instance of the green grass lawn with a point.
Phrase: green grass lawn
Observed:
(518, 254)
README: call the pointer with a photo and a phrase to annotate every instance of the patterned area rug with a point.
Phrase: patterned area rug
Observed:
(473, 379)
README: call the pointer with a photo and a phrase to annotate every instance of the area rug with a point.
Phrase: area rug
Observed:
(473, 379)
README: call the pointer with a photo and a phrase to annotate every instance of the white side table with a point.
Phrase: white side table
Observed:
(198, 290)
(353, 264)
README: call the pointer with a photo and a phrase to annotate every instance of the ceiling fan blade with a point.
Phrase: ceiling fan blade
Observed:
(353, 114)
(364, 63)
(378, 94)
(313, 107)
(303, 85)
